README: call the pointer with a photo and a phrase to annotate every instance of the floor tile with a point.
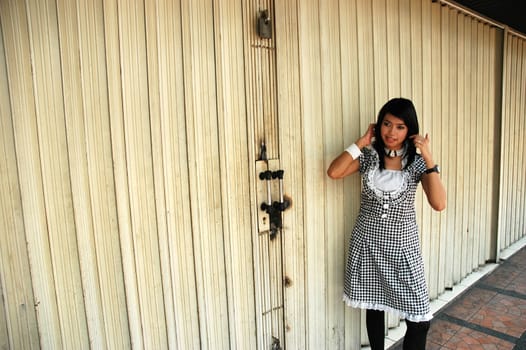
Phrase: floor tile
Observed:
(519, 284)
(430, 345)
(502, 277)
(469, 339)
(442, 331)
(503, 314)
(489, 315)
(468, 304)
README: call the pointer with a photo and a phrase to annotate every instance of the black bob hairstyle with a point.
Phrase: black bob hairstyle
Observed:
(404, 109)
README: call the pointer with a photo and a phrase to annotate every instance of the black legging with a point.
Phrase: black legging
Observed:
(415, 336)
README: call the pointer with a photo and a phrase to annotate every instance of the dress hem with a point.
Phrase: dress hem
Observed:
(381, 307)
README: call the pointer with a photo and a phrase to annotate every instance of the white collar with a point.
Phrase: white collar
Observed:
(395, 153)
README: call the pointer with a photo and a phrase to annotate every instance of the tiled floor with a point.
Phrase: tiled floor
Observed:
(491, 314)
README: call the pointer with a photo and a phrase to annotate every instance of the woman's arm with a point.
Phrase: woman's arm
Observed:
(344, 164)
(434, 190)
(432, 184)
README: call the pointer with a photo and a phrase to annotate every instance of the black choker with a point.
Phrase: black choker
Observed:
(394, 153)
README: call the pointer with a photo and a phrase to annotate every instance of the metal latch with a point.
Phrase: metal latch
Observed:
(270, 185)
(275, 344)
(274, 208)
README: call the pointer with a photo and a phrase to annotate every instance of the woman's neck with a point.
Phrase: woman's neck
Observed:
(393, 163)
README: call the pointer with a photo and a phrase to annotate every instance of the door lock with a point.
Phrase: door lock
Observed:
(274, 209)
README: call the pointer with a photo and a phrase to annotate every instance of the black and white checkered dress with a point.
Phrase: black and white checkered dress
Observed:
(385, 270)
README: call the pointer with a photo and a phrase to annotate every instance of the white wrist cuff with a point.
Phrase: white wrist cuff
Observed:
(354, 151)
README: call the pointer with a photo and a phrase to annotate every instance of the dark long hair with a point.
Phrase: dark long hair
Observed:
(404, 109)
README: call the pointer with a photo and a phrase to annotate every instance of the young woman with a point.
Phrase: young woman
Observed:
(385, 270)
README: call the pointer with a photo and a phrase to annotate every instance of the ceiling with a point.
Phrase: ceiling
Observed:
(508, 12)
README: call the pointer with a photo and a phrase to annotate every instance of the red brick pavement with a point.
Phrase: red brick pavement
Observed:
(491, 314)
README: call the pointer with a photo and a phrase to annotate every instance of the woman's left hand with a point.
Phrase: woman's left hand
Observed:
(422, 144)
(433, 187)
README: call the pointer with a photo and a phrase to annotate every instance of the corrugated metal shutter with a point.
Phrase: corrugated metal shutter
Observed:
(512, 197)
(131, 130)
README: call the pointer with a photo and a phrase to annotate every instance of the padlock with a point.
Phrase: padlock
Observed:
(264, 25)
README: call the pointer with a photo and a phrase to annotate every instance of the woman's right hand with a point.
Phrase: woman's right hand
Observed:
(367, 138)
(344, 164)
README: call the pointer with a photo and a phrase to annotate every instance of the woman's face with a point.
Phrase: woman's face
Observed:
(393, 132)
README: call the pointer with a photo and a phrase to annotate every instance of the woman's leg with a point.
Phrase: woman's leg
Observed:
(416, 335)
(375, 328)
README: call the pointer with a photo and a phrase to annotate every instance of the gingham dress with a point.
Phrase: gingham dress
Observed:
(385, 270)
